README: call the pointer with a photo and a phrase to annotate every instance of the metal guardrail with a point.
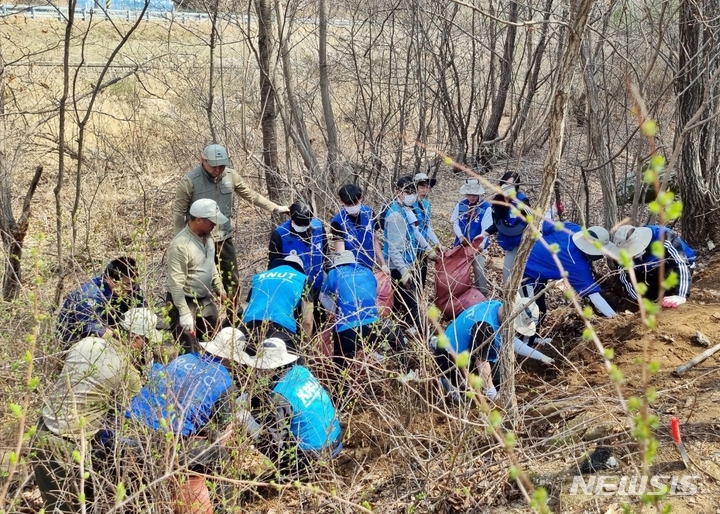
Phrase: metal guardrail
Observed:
(60, 13)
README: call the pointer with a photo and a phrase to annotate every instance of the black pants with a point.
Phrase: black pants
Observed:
(204, 326)
(481, 346)
(348, 341)
(405, 303)
(259, 330)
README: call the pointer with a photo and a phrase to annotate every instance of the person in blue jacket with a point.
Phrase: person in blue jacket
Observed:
(304, 235)
(350, 294)
(471, 220)
(354, 228)
(678, 257)
(575, 250)
(423, 213)
(507, 225)
(401, 249)
(192, 400)
(293, 419)
(278, 305)
(98, 306)
(476, 331)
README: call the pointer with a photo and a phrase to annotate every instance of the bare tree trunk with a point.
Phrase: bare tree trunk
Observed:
(506, 75)
(267, 101)
(328, 114)
(576, 31)
(698, 173)
(211, 71)
(596, 127)
(62, 109)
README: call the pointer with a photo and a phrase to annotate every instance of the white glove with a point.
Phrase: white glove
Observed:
(187, 322)
(385, 269)
(673, 301)
(547, 360)
(247, 420)
(601, 305)
(405, 280)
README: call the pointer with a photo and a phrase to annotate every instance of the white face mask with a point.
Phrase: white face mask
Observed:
(353, 210)
(409, 200)
(507, 188)
(299, 228)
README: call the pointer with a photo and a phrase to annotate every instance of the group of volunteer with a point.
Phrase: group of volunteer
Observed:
(240, 364)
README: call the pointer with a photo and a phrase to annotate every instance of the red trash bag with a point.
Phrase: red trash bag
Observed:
(454, 287)
(384, 294)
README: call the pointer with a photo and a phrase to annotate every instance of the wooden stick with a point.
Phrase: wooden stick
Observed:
(696, 360)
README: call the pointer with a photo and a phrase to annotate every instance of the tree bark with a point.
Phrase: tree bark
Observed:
(698, 176)
(328, 114)
(596, 128)
(506, 75)
(558, 114)
(267, 101)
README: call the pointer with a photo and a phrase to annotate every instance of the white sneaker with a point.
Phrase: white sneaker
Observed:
(408, 377)
(433, 343)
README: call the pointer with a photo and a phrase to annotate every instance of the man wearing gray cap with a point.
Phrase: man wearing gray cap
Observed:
(212, 180)
(192, 277)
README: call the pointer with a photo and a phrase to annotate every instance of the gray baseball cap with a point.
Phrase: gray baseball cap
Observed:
(216, 155)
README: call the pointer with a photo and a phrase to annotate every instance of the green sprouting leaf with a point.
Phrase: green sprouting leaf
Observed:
(651, 394)
(476, 382)
(515, 212)
(588, 333)
(651, 322)
(554, 248)
(587, 312)
(448, 161)
(641, 288)
(559, 225)
(649, 306)
(495, 418)
(13, 457)
(16, 410)
(674, 211)
(433, 313)
(510, 440)
(665, 197)
(654, 207)
(442, 341)
(634, 403)
(513, 472)
(568, 294)
(28, 357)
(463, 360)
(625, 259)
(657, 249)
(539, 498)
(657, 163)
(616, 376)
(650, 176)
(671, 281)
(649, 128)
(33, 383)
(609, 353)
(654, 367)
(77, 457)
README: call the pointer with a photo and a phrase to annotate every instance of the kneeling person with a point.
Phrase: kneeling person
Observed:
(297, 420)
(477, 331)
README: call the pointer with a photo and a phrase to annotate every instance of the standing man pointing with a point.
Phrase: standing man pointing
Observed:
(213, 180)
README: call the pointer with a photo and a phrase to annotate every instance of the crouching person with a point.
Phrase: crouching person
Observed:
(190, 401)
(292, 419)
(477, 332)
(98, 378)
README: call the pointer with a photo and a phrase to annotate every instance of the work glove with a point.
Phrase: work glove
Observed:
(547, 360)
(477, 241)
(187, 322)
(432, 255)
(406, 281)
(282, 209)
(465, 241)
(385, 269)
(670, 302)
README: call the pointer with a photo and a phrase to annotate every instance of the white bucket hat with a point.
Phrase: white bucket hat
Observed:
(271, 354)
(588, 241)
(343, 257)
(634, 240)
(423, 177)
(472, 186)
(525, 322)
(216, 155)
(294, 257)
(229, 344)
(142, 321)
(208, 209)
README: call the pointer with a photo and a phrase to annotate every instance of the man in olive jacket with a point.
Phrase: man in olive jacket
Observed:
(215, 181)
